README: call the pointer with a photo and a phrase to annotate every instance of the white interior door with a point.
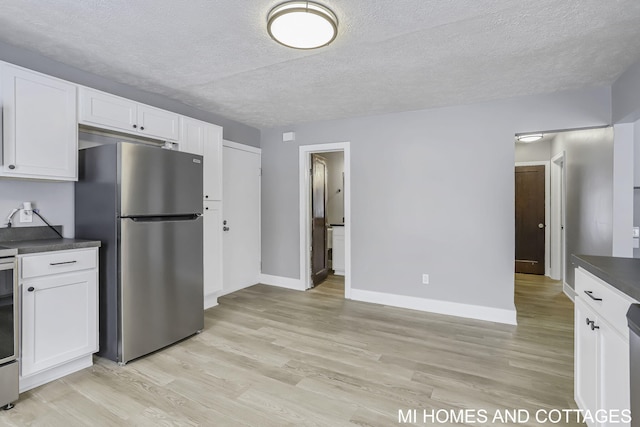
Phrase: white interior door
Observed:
(241, 216)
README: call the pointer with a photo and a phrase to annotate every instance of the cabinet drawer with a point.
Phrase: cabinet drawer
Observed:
(57, 262)
(608, 302)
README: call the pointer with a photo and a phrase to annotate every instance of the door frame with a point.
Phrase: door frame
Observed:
(304, 162)
(547, 210)
(558, 216)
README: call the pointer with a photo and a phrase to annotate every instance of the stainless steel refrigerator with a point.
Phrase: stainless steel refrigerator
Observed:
(144, 204)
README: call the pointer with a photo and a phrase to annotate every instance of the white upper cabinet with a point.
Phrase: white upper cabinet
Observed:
(203, 138)
(103, 110)
(40, 130)
(192, 135)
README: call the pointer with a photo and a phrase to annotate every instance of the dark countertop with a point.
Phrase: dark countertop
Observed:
(48, 245)
(29, 240)
(621, 273)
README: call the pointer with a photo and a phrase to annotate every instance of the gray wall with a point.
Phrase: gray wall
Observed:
(233, 130)
(533, 152)
(432, 192)
(589, 190)
(54, 199)
(626, 96)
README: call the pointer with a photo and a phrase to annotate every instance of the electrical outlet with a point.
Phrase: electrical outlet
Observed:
(26, 216)
(425, 279)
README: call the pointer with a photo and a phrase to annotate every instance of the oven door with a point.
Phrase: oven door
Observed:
(8, 311)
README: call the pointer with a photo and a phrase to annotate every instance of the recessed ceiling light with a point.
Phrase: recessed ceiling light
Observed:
(532, 137)
(302, 25)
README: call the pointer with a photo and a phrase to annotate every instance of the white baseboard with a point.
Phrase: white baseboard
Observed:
(210, 300)
(282, 282)
(479, 312)
(48, 375)
(568, 291)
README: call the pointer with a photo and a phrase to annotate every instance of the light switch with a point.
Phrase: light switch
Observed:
(636, 231)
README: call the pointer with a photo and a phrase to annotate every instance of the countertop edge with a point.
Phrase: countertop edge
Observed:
(597, 265)
(38, 246)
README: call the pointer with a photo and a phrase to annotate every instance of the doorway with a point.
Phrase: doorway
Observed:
(309, 193)
(530, 219)
(531, 254)
(319, 224)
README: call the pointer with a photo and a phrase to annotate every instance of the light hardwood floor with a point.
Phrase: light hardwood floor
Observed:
(277, 357)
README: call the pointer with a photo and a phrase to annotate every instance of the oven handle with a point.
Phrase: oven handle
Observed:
(10, 265)
(7, 264)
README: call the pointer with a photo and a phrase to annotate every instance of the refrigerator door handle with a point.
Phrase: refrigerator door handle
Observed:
(189, 217)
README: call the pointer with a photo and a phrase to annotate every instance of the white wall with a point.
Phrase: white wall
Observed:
(533, 152)
(335, 187)
(623, 178)
(589, 190)
(432, 192)
(626, 96)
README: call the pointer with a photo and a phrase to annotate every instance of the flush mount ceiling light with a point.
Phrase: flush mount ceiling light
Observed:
(302, 25)
(532, 137)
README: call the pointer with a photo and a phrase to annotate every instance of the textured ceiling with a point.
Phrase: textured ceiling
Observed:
(389, 55)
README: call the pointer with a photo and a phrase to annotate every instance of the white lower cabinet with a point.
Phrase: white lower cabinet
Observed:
(59, 315)
(601, 350)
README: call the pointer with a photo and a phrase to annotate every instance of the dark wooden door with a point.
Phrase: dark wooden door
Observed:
(319, 269)
(530, 219)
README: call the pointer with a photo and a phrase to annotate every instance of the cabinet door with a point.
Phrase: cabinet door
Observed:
(614, 370)
(59, 320)
(212, 252)
(192, 135)
(157, 123)
(40, 131)
(586, 357)
(105, 110)
(213, 162)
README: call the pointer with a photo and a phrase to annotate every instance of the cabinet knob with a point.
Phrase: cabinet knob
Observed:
(593, 326)
(207, 208)
(135, 126)
(206, 197)
(225, 228)
(12, 167)
(31, 289)
(141, 127)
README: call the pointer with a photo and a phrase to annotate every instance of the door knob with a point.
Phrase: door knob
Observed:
(541, 225)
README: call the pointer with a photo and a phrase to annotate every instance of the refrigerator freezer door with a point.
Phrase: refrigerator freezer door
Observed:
(161, 272)
(154, 181)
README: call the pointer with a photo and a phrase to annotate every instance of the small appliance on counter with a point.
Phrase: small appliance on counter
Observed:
(8, 328)
(145, 204)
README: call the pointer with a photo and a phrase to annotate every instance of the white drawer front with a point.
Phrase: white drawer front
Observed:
(58, 262)
(610, 303)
